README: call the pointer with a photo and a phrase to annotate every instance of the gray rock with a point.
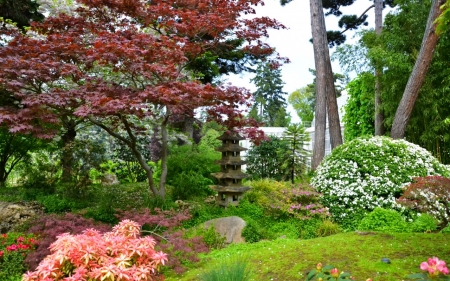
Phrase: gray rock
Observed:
(228, 227)
(13, 214)
(110, 179)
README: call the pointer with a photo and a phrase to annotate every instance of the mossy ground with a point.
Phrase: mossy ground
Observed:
(358, 253)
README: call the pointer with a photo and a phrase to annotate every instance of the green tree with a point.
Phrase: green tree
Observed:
(418, 73)
(399, 45)
(270, 103)
(303, 100)
(359, 109)
(20, 12)
(264, 161)
(296, 159)
(14, 149)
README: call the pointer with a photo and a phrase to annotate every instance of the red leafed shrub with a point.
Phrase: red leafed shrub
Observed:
(429, 195)
(48, 227)
(171, 239)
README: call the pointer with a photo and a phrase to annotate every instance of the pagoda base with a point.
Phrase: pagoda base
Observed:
(229, 195)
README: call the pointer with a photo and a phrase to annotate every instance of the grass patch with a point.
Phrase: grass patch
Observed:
(357, 253)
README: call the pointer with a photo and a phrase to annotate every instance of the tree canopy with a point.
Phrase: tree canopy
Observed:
(120, 63)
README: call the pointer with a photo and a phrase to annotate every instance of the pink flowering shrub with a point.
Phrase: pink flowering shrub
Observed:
(121, 254)
(429, 195)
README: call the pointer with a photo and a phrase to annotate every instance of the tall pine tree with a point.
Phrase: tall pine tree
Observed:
(270, 101)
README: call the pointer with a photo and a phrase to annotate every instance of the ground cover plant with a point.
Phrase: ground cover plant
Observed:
(363, 174)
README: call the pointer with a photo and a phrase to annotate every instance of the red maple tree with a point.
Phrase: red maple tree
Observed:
(118, 63)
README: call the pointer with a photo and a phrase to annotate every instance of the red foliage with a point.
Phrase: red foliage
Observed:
(171, 239)
(48, 227)
(126, 58)
(429, 195)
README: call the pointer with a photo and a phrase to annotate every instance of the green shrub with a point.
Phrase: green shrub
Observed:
(56, 203)
(213, 239)
(364, 174)
(424, 223)
(446, 229)
(383, 220)
(228, 270)
(40, 175)
(189, 171)
(327, 228)
(309, 228)
(252, 232)
(283, 200)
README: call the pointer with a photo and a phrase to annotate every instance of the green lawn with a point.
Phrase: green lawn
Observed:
(358, 253)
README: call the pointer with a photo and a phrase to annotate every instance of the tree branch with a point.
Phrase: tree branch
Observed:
(365, 12)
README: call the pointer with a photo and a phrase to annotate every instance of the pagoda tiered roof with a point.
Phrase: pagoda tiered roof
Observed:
(222, 175)
(230, 162)
(231, 136)
(221, 188)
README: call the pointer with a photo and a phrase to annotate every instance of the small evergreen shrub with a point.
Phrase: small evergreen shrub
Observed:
(424, 223)
(364, 174)
(429, 195)
(383, 220)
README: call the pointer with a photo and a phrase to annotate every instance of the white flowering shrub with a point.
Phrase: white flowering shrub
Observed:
(363, 174)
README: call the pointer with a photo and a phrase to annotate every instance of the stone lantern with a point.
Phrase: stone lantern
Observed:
(230, 188)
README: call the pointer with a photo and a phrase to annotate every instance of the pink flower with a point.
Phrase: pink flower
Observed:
(13, 247)
(334, 273)
(319, 266)
(434, 266)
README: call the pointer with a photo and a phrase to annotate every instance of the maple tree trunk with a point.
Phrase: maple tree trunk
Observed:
(379, 115)
(417, 77)
(319, 42)
(67, 153)
(164, 141)
(3, 174)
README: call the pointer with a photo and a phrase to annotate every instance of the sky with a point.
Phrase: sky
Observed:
(294, 42)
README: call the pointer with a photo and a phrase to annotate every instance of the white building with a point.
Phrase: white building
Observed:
(278, 131)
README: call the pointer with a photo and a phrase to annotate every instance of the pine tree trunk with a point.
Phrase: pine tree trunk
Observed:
(321, 108)
(417, 76)
(379, 115)
(325, 90)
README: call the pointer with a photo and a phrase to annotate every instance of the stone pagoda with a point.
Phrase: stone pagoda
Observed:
(230, 188)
